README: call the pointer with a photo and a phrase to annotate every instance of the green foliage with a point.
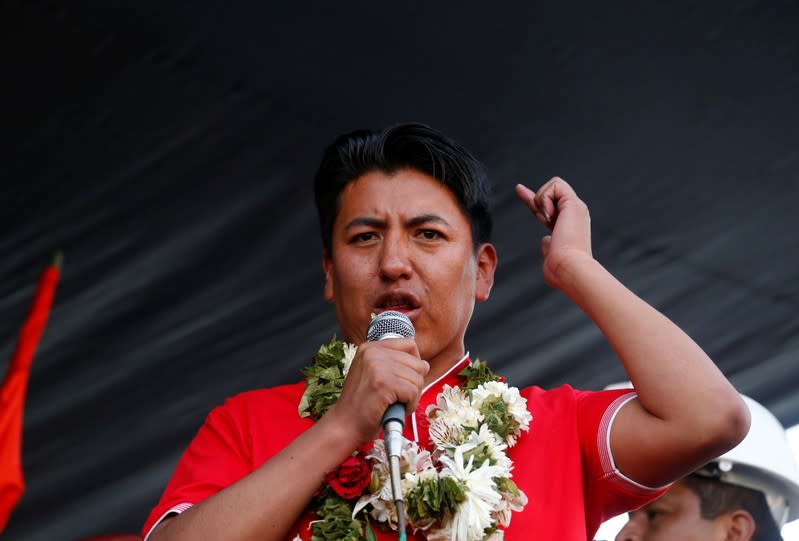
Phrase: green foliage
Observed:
(324, 380)
(497, 417)
(433, 498)
(476, 374)
(370, 533)
(428, 502)
(480, 454)
(336, 522)
(507, 487)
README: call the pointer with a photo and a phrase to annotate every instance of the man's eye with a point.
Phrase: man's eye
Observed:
(652, 514)
(429, 234)
(364, 237)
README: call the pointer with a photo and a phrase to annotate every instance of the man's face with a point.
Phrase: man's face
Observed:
(675, 516)
(400, 242)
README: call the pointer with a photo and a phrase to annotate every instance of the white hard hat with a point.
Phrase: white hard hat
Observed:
(763, 461)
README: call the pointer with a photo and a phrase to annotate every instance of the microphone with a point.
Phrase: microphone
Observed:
(392, 324)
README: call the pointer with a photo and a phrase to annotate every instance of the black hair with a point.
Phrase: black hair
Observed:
(404, 146)
(717, 497)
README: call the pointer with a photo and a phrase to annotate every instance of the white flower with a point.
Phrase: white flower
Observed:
(383, 509)
(456, 427)
(382, 502)
(516, 404)
(474, 514)
(516, 503)
(411, 479)
(413, 461)
(510, 503)
(448, 417)
(349, 355)
(454, 405)
(495, 448)
(409, 482)
(444, 434)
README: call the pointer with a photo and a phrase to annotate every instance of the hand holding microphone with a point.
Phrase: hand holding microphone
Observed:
(383, 372)
(386, 377)
(391, 324)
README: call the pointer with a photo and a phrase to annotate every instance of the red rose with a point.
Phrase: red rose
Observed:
(350, 478)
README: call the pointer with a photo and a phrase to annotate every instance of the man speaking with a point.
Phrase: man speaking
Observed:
(406, 227)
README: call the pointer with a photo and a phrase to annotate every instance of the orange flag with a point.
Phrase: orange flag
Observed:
(13, 388)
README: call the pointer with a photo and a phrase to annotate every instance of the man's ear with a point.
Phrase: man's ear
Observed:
(327, 266)
(740, 526)
(486, 265)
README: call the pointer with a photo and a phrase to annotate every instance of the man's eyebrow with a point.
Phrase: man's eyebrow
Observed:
(426, 219)
(368, 221)
(371, 221)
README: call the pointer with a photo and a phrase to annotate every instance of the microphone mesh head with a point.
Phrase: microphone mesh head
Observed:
(390, 324)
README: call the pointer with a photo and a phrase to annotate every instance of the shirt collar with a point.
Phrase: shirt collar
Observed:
(419, 424)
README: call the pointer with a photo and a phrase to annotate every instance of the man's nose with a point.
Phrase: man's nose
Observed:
(630, 532)
(395, 262)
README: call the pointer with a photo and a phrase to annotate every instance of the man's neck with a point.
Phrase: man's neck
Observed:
(441, 366)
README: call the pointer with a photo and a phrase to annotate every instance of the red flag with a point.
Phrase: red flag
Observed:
(13, 388)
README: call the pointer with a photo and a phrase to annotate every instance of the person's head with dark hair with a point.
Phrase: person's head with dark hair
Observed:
(404, 146)
(717, 498)
(748, 493)
(405, 225)
(703, 508)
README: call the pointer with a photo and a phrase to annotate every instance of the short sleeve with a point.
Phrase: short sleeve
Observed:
(608, 491)
(215, 459)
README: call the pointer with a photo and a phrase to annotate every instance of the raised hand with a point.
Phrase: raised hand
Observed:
(556, 206)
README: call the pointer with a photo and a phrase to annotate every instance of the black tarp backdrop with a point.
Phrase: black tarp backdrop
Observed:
(168, 150)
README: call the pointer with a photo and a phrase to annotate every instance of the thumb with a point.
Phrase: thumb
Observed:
(546, 243)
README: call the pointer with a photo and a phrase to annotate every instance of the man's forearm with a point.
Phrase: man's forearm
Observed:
(265, 504)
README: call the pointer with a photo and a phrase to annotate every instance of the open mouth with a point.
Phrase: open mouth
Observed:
(399, 301)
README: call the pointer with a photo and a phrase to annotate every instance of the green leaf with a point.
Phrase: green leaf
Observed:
(433, 498)
(480, 454)
(336, 522)
(476, 374)
(507, 486)
(304, 408)
(370, 533)
(324, 380)
(497, 417)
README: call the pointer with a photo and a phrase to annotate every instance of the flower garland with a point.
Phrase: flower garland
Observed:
(460, 491)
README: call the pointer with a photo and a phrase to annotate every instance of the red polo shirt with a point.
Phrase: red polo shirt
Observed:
(563, 464)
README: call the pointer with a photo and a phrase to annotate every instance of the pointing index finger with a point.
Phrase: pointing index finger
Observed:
(528, 197)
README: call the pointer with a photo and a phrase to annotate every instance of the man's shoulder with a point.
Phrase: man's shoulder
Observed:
(280, 396)
(564, 392)
(590, 405)
(566, 397)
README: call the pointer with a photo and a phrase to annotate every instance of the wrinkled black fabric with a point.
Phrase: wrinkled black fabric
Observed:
(168, 150)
